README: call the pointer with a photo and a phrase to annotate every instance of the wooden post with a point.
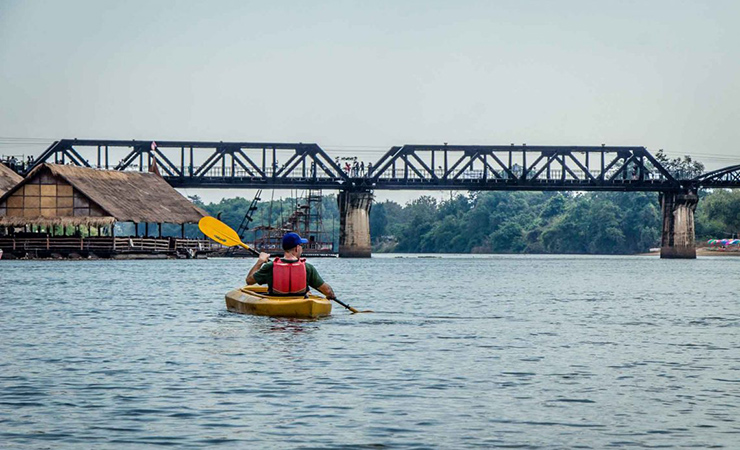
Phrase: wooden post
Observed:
(182, 230)
(159, 225)
(146, 229)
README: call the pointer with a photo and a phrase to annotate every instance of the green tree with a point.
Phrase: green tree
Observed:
(681, 168)
(718, 215)
(509, 238)
(378, 221)
(554, 206)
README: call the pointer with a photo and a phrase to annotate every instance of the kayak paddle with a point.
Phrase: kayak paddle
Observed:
(222, 233)
(354, 311)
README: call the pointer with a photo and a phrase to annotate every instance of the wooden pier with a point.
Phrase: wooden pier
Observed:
(106, 247)
(38, 212)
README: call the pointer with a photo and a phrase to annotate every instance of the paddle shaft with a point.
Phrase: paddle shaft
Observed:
(250, 249)
(354, 311)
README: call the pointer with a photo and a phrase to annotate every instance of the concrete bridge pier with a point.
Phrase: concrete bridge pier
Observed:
(354, 224)
(677, 240)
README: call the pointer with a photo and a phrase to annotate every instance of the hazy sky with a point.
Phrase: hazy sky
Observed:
(359, 77)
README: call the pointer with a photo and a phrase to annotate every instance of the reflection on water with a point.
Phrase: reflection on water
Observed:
(463, 351)
(286, 327)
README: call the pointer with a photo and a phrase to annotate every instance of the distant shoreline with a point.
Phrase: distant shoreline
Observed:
(701, 251)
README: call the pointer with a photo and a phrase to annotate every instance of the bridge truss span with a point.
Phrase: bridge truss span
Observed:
(728, 177)
(206, 164)
(472, 167)
(197, 164)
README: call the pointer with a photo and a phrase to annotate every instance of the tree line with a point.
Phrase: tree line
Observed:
(511, 221)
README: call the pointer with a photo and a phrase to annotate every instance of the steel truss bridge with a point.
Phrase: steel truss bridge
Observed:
(189, 164)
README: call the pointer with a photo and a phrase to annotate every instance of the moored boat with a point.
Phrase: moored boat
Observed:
(255, 300)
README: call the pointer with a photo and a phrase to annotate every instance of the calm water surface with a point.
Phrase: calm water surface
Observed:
(462, 352)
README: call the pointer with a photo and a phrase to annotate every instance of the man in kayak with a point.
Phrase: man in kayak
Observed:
(291, 274)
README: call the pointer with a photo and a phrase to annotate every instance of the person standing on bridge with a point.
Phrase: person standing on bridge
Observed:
(290, 275)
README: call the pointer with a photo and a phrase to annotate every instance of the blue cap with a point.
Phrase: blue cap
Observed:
(291, 240)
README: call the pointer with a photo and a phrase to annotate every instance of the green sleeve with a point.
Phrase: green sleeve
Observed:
(264, 274)
(312, 277)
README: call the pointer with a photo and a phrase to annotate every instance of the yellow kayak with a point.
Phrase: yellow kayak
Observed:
(254, 300)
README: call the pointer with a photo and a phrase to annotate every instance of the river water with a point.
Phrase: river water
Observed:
(462, 352)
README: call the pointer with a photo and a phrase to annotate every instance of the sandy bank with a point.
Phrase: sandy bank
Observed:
(699, 252)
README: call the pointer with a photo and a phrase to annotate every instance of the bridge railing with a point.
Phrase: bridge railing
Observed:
(399, 174)
(479, 174)
(228, 172)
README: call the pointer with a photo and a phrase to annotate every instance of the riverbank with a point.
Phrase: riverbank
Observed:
(701, 251)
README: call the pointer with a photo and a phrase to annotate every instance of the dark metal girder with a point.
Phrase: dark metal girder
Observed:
(572, 171)
(423, 164)
(129, 158)
(79, 160)
(210, 162)
(471, 160)
(725, 177)
(581, 166)
(241, 153)
(412, 167)
(165, 162)
(487, 165)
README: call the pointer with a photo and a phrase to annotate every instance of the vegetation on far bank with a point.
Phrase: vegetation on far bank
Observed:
(516, 221)
(512, 221)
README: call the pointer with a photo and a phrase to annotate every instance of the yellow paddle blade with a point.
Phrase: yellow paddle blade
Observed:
(219, 232)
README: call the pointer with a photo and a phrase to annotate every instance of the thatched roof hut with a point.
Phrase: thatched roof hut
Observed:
(8, 179)
(71, 195)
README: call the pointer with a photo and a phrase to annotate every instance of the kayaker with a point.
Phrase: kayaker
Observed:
(291, 274)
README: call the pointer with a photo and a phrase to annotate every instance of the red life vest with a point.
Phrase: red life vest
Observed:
(289, 277)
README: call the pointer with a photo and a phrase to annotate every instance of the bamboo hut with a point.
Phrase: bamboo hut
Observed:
(59, 197)
(8, 179)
